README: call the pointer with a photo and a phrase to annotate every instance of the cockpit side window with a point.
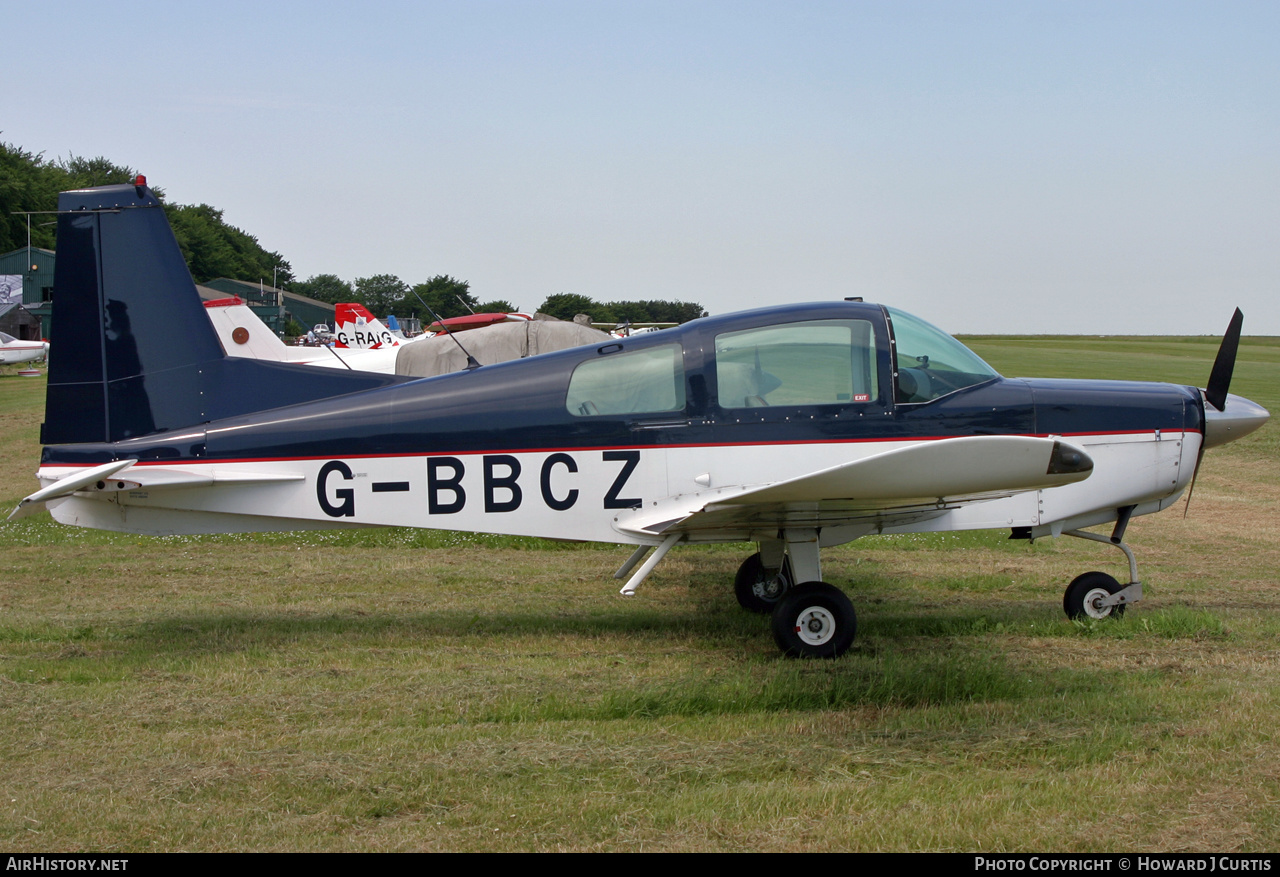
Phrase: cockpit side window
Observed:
(637, 382)
(819, 362)
(930, 362)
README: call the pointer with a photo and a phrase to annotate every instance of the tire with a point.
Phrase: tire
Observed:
(1082, 596)
(814, 620)
(756, 590)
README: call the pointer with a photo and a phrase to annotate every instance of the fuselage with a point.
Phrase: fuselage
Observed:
(12, 350)
(567, 444)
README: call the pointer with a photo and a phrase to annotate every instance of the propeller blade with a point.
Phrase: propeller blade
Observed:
(1220, 378)
(1195, 473)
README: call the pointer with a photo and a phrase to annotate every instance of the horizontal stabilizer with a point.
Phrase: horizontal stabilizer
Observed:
(107, 478)
(67, 486)
(161, 479)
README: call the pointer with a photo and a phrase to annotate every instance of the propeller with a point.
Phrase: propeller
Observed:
(1220, 378)
(1215, 394)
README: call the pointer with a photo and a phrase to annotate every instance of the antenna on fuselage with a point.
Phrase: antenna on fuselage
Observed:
(471, 360)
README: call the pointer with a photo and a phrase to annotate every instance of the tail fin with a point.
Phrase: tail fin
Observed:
(135, 353)
(242, 332)
(360, 330)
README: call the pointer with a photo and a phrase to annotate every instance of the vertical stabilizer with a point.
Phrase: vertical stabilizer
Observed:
(356, 328)
(127, 319)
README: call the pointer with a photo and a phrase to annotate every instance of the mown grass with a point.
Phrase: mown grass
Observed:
(412, 690)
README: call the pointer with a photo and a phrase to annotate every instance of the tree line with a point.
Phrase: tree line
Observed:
(29, 184)
(444, 296)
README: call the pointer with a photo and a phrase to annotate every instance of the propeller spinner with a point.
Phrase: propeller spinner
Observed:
(1227, 417)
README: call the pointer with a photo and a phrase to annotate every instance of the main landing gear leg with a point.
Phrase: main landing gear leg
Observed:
(813, 619)
(1096, 594)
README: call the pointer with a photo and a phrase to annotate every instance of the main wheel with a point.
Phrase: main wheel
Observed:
(758, 589)
(1085, 594)
(814, 620)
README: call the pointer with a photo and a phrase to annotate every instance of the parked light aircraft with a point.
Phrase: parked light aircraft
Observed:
(360, 330)
(16, 350)
(793, 427)
(242, 333)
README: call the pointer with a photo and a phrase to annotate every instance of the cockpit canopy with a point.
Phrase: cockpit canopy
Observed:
(930, 362)
(823, 362)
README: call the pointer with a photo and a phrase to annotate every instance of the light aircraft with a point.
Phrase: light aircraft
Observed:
(16, 350)
(359, 329)
(242, 333)
(792, 427)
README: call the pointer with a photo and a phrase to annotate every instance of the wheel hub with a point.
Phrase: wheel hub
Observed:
(770, 588)
(1093, 603)
(815, 626)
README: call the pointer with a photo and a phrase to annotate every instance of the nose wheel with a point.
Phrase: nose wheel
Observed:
(1088, 597)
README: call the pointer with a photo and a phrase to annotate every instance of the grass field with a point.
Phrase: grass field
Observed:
(408, 690)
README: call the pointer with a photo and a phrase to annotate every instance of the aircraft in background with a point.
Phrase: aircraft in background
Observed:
(475, 321)
(360, 329)
(357, 329)
(13, 350)
(242, 333)
(627, 328)
(793, 427)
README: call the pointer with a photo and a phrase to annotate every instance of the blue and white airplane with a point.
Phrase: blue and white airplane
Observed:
(793, 427)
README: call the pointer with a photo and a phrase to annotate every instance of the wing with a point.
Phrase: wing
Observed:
(907, 484)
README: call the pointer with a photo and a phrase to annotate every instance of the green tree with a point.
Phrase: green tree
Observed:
(381, 293)
(658, 311)
(497, 306)
(444, 295)
(326, 287)
(213, 248)
(567, 305)
(26, 183)
(633, 311)
(85, 172)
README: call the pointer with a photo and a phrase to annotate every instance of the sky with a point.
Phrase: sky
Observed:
(993, 167)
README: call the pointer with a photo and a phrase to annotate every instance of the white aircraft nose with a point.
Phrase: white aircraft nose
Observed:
(1239, 417)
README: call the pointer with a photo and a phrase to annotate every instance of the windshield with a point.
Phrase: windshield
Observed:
(930, 362)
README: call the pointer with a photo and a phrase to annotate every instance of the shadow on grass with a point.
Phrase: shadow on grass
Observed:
(740, 680)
